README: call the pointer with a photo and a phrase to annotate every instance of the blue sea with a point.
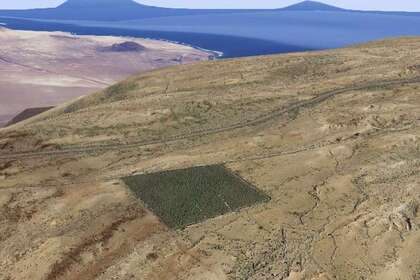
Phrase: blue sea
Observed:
(256, 33)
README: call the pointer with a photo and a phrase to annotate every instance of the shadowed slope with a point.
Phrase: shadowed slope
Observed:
(28, 113)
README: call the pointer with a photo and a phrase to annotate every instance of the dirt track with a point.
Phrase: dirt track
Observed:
(200, 133)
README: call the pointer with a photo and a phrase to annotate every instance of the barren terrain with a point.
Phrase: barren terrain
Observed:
(332, 137)
(39, 69)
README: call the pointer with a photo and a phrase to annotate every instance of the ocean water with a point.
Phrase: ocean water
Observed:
(247, 34)
(310, 29)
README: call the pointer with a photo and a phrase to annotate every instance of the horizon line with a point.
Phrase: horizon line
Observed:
(140, 2)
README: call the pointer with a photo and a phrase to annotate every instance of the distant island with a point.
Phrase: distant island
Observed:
(118, 10)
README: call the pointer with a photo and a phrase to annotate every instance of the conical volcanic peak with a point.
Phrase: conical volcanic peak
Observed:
(99, 3)
(312, 6)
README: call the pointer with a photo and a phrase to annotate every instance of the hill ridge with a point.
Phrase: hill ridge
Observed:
(339, 160)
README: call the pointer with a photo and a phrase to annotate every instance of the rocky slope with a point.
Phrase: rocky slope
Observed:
(332, 137)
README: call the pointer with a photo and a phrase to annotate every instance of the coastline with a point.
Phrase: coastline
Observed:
(214, 54)
(219, 45)
(92, 69)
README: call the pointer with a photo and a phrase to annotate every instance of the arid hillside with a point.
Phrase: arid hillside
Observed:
(40, 69)
(298, 166)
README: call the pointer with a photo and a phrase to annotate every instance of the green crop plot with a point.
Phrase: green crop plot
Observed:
(188, 196)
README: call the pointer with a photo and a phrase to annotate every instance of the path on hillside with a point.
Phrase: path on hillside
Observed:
(200, 133)
(241, 158)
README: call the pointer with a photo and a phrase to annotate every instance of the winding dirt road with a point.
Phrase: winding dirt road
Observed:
(200, 133)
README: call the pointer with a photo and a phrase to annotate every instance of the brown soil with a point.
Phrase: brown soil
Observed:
(332, 137)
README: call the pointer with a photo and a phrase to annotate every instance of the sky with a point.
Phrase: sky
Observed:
(384, 5)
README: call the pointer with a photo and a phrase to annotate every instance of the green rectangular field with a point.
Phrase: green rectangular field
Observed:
(188, 196)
